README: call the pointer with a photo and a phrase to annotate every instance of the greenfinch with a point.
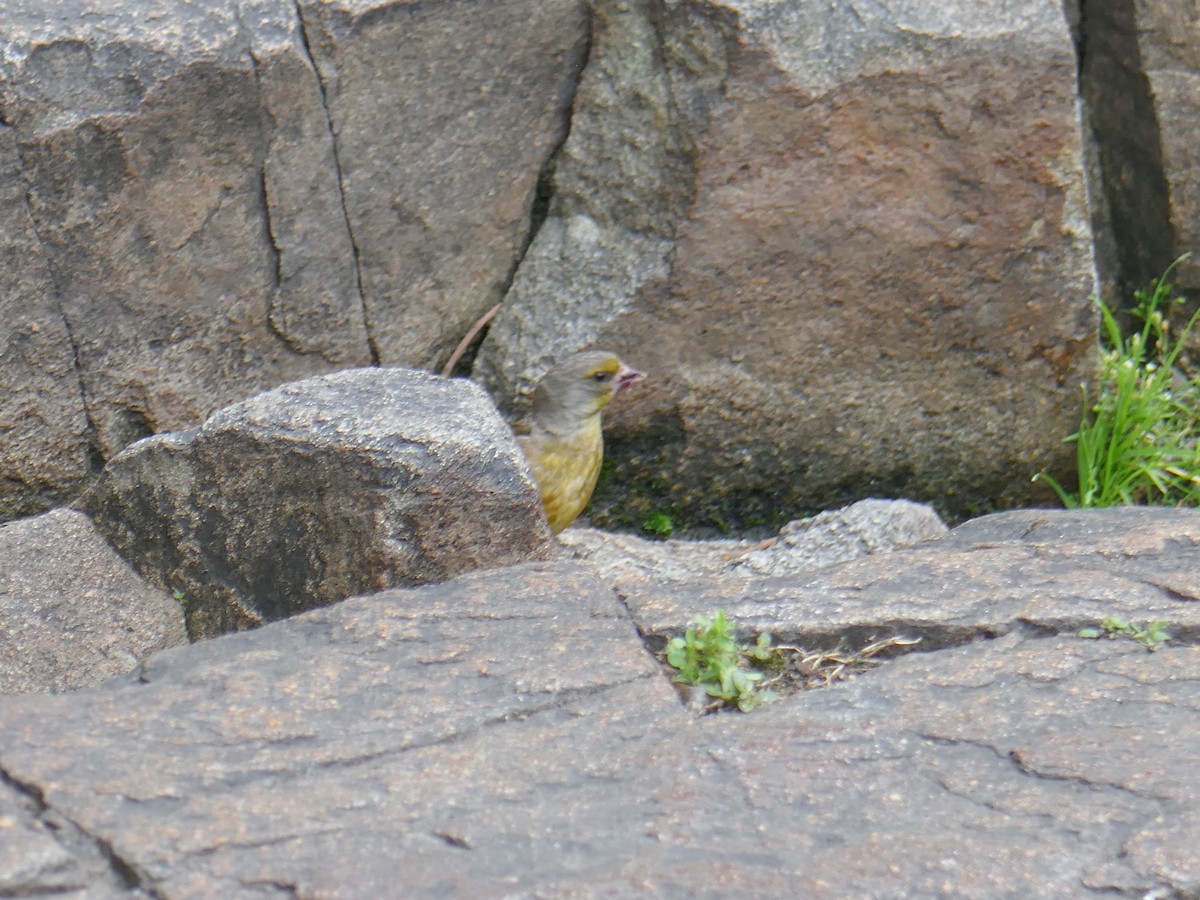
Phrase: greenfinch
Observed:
(561, 436)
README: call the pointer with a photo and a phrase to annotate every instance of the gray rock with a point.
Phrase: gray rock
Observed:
(621, 185)
(31, 860)
(194, 185)
(1048, 752)
(428, 724)
(181, 179)
(44, 853)
(506, 734)
(73, 614)
(869, 526)
(321, 489)
(762, 205)
(444, 116)
(1049, 570)
(316, 305)
(44, 452)
(612, 554)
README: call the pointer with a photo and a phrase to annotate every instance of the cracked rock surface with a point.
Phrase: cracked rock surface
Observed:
(178, 176)
(443, 117)
(202, 201)
(508, 734)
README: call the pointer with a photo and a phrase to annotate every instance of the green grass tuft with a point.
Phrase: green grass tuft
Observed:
(1139, 443)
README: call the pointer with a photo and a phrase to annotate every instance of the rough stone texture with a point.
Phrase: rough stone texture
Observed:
(445, 114)
(869, 526)
(506, 734)
(181, 179)
(401, 739)
(43, 430)
(321, 489)
(1057, 571)
(72, 613)
(1141, 82)
(186, 180)
(44, 854)
(849, 243)
(1015, 768)
(846, 239)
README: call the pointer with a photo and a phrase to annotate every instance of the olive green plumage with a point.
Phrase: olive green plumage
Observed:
(561, 436)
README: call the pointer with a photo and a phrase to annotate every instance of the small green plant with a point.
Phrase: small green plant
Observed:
(1151, 635)
(708, 656)
(660, 524)
(1140, 441)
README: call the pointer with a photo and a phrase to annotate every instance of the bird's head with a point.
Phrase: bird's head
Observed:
(579, 387)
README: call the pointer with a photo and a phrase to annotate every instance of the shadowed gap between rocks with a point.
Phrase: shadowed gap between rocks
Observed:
(920, 637)
(1116, 94)
(930, 639)
(106, 868)
(95, 455)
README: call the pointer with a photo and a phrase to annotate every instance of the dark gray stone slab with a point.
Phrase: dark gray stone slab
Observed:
(506, 734)
(319, 490)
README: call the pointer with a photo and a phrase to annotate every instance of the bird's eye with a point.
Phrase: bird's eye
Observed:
(602, 376)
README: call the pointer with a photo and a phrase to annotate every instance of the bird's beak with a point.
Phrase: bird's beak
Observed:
(627, 377)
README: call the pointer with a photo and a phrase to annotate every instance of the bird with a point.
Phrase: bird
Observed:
(561, 435)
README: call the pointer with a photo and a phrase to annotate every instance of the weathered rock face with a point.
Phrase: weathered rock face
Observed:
(852, 266)
(1052, 569)
(863, 528)
(317, 490)
(506, 734)
(73, 614)
(848, 241)
(44, 445)
(182, 182)
(1141, 82)
(444, 115)
(211, 228)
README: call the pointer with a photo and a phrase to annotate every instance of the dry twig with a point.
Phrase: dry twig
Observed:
(468, 339)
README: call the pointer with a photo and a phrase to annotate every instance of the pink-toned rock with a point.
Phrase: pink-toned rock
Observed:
(854, 266)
